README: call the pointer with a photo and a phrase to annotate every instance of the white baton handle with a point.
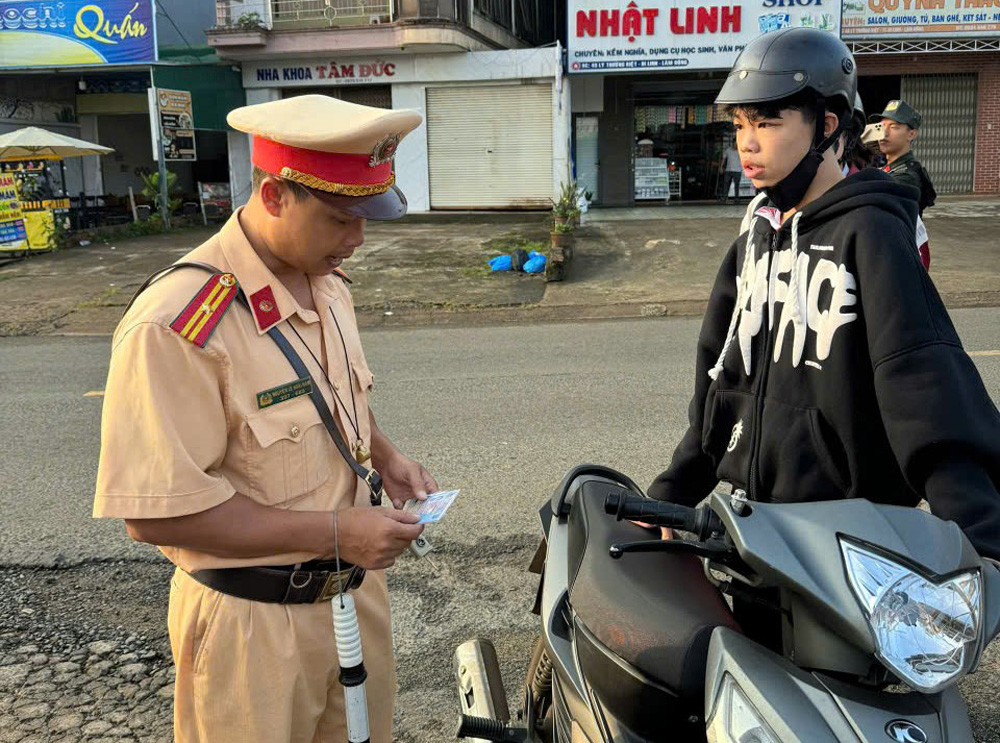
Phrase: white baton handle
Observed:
(352, 667)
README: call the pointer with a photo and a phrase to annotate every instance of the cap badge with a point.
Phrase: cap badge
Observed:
(892, 106)
(384, 150)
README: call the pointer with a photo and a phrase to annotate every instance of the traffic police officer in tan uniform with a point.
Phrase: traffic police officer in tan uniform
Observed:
(213, 448)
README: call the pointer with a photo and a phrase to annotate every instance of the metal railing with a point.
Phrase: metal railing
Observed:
(242, 15)
(320, 13)
(444, 10)
(251, 15)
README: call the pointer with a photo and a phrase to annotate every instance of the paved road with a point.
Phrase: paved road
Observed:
(499, 412)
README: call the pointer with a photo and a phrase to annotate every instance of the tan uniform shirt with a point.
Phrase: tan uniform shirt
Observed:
(182, 430)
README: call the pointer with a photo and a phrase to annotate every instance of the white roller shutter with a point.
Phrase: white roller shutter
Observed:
(490, 147)
(946, 146)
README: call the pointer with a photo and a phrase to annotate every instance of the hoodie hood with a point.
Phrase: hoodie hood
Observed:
(869, 187)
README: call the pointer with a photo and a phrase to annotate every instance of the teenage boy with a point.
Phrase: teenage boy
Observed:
(827, 365)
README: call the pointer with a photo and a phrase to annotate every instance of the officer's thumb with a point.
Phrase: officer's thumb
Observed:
(403, 517)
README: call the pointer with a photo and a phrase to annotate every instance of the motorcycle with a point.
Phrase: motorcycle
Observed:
(854, 623)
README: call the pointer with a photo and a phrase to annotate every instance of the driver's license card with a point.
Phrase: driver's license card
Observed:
(432, 510)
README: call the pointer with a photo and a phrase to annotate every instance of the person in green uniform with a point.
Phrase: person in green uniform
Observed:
(900, 127)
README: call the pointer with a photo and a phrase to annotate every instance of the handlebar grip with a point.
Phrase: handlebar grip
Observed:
(625, 505)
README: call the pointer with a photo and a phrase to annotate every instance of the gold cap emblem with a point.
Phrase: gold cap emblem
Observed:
(384, 150)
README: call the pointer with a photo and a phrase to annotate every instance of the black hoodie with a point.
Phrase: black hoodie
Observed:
(861, 388)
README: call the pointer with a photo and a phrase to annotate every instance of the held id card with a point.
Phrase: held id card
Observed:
(432, 510)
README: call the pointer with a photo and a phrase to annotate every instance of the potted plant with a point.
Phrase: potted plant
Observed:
(561, 235)
(564, 208)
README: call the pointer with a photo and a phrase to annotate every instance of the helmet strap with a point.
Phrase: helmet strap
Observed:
(790, 191)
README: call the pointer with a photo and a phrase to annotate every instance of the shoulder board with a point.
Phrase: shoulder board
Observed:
(343, 275)
(198, 320)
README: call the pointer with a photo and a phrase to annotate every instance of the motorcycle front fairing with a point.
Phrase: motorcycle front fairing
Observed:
(796, 706)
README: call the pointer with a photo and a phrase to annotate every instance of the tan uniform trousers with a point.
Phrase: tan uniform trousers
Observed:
(253, 672)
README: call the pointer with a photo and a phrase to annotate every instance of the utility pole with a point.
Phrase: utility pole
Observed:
(161, 151)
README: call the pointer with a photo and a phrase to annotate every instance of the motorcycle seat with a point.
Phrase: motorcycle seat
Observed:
(654, 611)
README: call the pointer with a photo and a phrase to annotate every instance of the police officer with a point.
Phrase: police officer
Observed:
(215, 448)
(900, 127)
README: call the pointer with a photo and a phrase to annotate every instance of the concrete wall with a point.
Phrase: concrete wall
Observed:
(131, 139)
(412, 166)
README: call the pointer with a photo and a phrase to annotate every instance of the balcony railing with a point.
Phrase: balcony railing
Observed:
(255, 15)
(319, 13)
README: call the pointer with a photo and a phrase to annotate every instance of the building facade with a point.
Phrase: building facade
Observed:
(486, 75)
(644, 76)
(61, 72)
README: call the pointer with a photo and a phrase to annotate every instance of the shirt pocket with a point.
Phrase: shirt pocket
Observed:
(289, 451)
(363, 381)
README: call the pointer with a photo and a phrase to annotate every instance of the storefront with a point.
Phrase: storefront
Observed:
(947, 66)
(496, 124)
(643, 80)
(67, 75)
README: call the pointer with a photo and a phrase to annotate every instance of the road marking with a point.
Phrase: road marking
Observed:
(94, 393)
(984, 353)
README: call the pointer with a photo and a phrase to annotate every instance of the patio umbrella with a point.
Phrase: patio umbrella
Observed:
(32, 142)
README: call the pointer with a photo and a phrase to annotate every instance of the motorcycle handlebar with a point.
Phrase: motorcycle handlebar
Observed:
(700, 521)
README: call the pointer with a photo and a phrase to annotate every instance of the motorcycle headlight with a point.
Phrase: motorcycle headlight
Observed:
(735, 720)
(926, 632)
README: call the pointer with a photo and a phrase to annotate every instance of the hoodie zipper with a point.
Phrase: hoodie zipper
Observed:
(764, 370)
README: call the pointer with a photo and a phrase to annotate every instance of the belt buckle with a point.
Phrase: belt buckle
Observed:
(331, 587)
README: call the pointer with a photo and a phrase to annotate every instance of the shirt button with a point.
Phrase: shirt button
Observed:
(295, 432)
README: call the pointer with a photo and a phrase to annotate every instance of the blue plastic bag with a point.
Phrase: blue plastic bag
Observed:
(500, 263)
(535, 263)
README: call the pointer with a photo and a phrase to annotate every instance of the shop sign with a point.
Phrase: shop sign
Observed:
(327, 72)
(45, 33)
(13, 235)
(173, 112)
(908, 19)
(655, 35)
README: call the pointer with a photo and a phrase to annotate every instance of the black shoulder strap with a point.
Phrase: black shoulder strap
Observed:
(371, 478)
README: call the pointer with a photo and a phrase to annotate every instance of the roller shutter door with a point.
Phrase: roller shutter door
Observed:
(946, 146)
(490, 147)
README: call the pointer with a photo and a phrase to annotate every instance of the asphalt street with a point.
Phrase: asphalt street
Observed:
(499, 412)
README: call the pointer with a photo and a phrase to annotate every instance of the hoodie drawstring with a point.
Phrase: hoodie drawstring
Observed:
(794, 300)
(749, 261)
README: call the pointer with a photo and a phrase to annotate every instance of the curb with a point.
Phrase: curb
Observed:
(542, 313)
(531, 314)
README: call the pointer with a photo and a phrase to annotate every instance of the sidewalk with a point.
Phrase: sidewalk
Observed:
(432, 268)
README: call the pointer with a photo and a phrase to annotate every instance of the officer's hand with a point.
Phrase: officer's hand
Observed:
(404, 478)
(374, 537)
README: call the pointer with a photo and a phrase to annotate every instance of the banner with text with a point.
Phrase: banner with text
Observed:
(172, 111)
(657, 35)
(39, 33)
(925, 19)
(12, 230)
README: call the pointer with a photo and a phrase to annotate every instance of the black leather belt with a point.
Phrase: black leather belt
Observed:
(308, 583)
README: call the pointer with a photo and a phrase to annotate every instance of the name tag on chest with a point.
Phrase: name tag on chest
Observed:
(284, 392)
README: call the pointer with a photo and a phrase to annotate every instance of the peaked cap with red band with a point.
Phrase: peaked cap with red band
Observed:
(340, 150)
